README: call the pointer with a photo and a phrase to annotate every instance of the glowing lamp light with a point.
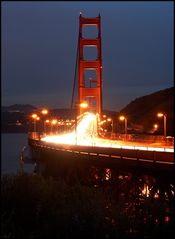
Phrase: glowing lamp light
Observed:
(122, 117)
(84, 105)
(47, 121)
(160, 114)
(34, 116)
(37, 118)
(44, 111)
(54, 121)
(155, 126)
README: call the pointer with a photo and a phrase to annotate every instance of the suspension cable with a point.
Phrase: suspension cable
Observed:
(75, 73)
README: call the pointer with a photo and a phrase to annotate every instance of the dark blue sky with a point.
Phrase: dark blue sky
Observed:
(39, 41)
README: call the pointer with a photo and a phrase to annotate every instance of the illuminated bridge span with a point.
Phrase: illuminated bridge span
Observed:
(155, 160)
(86, 134)
(83, 143)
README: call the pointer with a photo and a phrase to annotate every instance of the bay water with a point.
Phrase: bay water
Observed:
(11, 147)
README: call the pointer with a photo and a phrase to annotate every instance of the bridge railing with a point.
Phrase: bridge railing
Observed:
(130, 138)
(146, 158)
(140, 138)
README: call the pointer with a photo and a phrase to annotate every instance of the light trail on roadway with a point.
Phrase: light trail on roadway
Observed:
(86, 134)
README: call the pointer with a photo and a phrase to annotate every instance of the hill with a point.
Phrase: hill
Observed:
(142, 112)
(18, 108)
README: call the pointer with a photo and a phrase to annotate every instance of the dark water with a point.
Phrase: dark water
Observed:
(11, 146)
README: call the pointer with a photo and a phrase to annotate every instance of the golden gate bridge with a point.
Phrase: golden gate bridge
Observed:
(84, 138)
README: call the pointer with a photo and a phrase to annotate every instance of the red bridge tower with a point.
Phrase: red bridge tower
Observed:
(90, 89)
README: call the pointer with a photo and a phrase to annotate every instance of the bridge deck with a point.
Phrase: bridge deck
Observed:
(154, 160)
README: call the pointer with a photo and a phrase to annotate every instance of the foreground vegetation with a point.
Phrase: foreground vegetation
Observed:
(35, 207)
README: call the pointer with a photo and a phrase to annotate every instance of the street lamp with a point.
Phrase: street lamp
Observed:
(54, 121)
(123, 118)
(58, 126)
(164, 122)
(155, 126)
(44, 112)
(38, 118)
(112, 124)
(47, 121)
(34, 116)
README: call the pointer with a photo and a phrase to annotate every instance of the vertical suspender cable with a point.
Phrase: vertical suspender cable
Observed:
(75, 74)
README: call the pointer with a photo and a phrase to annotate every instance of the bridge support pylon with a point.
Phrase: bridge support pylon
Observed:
(90, 70)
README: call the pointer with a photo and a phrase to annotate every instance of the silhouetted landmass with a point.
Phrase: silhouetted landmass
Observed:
(141, 114)
(18, 108)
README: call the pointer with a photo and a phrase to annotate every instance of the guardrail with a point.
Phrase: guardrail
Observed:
(114, 154)
(139, 144)
(131, 138)
(169, 140)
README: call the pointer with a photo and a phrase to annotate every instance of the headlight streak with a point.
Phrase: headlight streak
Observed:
(87, 136)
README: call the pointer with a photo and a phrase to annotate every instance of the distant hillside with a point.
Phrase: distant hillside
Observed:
(142, 111)
(18, 108)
